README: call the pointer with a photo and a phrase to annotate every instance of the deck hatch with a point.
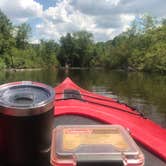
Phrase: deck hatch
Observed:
(72, 94)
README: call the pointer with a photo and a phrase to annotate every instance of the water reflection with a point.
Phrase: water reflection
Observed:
(147, 92)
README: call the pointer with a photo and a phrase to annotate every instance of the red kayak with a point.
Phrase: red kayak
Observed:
(71, 99)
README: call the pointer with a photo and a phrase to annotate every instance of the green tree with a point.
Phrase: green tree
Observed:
(99, 58)
(141, 24)
(149, 22)
(47, 51)
(84, 48)
(6, 39)
(155, 58)
(163, 21)
(66, 54)
(77, 49)
(22, 35)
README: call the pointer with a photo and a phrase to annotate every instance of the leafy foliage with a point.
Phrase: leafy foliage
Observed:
(22, 34)
(76, 49)
(6, 40)
(142, 47)
(17, 52)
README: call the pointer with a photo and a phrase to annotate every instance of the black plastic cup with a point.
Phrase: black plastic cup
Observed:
(26, 122)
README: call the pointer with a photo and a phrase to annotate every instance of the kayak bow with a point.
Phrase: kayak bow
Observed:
(71, 99)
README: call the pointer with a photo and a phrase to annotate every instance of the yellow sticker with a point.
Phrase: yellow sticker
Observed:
(74, 137)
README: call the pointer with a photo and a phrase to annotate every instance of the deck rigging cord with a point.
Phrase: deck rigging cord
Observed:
(76, 96)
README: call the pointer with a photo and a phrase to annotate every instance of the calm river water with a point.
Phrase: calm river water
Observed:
(147, 92)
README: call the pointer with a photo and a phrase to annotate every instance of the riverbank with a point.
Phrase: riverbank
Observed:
(80, 68)
(27, 69)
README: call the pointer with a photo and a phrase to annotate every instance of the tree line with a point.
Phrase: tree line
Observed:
(140, 48)
(16, 51)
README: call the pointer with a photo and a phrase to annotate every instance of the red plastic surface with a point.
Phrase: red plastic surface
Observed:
(145, 131)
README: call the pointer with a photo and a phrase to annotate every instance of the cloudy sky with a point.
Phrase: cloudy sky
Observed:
(51, 19)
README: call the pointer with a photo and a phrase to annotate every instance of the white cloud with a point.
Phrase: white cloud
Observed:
(126, 19)
(99, 7)
(64, 17)
(34, 41)
(111, 7)
(104, 18)
(21, 10)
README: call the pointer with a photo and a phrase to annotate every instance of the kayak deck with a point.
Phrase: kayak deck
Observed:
(71, 99)
(150, 158)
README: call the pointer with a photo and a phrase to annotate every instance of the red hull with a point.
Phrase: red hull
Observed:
(145, 131)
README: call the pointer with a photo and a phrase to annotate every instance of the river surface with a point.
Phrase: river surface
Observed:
(146, 92)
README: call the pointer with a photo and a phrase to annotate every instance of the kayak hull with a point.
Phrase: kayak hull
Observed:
(107, 110)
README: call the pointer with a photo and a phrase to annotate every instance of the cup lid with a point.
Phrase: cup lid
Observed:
(25, 98)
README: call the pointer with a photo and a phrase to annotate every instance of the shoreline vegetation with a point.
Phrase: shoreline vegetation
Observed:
(142, 47)
(56, 68)
(27, 69)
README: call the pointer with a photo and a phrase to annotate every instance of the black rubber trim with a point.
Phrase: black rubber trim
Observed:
(71, 93)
